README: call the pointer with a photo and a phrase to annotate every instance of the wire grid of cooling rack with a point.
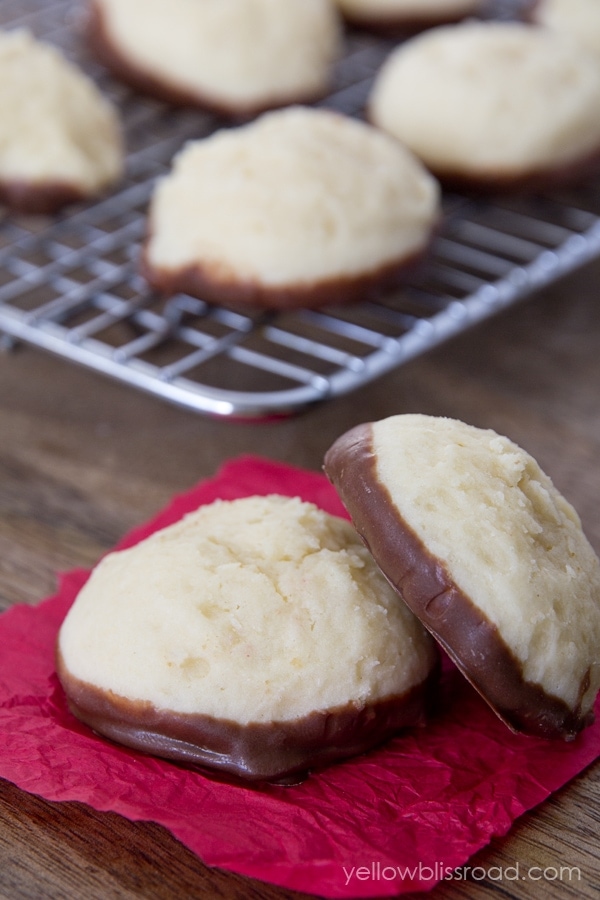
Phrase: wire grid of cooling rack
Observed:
(70, 285)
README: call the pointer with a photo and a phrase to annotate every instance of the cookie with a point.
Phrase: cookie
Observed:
(405, 15)
(580, 19)
(302, 207)
(237, 57)
(256, 637)
(492, 105)
(60, 138)
(488, 554)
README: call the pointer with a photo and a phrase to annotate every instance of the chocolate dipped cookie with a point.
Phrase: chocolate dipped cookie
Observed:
(237, 57)
(256, 637)
(493, 105)
(300, 208)
(489, 555)
(60, 137)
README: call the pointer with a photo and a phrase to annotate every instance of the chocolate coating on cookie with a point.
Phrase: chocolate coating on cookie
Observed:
(208, 284)
(257, 751)
(429, 589)
(39, 199)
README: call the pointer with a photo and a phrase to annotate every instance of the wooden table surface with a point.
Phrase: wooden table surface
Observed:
(82, 459)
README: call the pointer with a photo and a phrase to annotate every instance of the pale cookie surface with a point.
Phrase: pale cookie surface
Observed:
(239, 56)
(261, 612)
(60, 139)
(578, 18)
(491, 102)
(488, 553)
(299, 207)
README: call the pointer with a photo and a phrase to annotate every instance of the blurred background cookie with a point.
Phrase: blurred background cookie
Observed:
(60, 139)
(238, 57)
(299, 208)
(405, 15)
(580, 19)
(492, 104)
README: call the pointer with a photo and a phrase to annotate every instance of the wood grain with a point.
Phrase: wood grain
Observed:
(83, 459)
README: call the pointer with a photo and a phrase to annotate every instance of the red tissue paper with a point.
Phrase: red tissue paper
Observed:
(400, 818)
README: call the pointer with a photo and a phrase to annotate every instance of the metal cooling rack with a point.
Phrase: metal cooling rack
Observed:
(69, 285)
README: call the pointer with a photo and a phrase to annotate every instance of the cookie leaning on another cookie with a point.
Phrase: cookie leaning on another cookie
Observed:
(255, 636)
(489, 555)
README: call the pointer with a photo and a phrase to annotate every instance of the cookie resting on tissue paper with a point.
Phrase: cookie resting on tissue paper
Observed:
(255, 636)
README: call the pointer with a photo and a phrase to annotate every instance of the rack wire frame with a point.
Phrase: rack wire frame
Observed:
(70, 285)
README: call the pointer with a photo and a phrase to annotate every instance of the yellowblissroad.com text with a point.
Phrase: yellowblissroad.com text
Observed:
(380, 872)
